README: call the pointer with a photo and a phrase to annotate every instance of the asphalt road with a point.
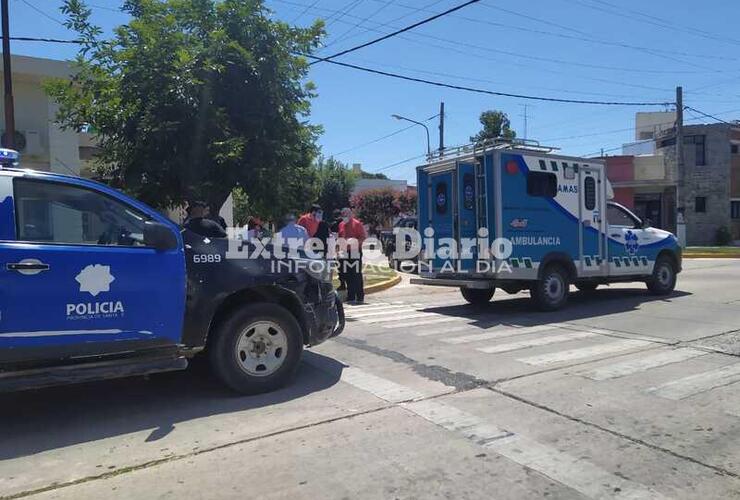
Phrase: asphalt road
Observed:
(621, 395)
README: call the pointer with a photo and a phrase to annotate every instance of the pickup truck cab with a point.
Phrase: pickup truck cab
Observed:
(94, 285)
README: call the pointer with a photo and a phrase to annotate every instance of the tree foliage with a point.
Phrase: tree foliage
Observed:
(495, 124)
(378, 207)
(192, 98)
(335, 184)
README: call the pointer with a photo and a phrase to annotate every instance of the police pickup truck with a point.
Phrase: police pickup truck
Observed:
(96, 285)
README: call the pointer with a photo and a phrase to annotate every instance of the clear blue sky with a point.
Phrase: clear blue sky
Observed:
(554, 48)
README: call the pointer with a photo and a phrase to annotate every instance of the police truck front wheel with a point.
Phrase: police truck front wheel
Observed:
(663, 280)
(550, 292)
(477, 296)
(257, 348)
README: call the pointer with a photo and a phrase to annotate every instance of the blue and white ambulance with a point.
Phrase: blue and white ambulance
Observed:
(519, 217)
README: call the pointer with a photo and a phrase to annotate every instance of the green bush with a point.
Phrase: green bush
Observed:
(723, 237)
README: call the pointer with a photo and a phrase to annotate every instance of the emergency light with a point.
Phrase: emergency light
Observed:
(9, 157)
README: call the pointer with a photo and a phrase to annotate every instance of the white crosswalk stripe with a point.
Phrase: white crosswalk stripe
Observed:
(624, 368)
(539, 341)
(696, 384)
(380, 311)
(424, 322)
(390, 316)
(427, 332)
(496, 334)
(584, 352)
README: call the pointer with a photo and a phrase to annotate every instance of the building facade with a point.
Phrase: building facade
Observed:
(706, 190)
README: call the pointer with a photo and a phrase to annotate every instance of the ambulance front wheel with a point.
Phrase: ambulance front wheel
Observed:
(550, 293)
(663, 280)
(477, 296)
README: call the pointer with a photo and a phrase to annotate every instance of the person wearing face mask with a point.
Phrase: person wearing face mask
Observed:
(351, 229)
(310, 220)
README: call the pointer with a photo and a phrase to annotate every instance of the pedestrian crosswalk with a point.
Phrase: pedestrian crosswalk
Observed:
(565, 343)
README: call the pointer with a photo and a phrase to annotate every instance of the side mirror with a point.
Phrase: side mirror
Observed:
(159, 236)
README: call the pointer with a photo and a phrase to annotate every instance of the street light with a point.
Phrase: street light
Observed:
(399, 117)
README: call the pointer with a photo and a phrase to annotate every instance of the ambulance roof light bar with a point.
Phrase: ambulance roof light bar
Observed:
(9, 158)
(496, 143)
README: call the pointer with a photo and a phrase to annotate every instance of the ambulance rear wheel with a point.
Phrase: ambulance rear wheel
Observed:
(477, 296)
(663, 280)
(256, 349)
(550, 293)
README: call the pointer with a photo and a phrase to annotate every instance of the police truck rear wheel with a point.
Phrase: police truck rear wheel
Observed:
(477, 296)
(663, 280)
(550, 292)
(256, 349)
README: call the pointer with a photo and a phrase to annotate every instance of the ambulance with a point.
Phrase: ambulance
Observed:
(517, 216)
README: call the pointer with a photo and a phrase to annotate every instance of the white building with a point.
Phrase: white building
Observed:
(43, 144)
(368, 184)
(648, 126)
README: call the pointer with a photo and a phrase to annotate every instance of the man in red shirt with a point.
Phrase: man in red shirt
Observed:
(311, 219)
(354, 232)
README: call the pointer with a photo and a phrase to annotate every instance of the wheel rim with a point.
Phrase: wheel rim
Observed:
(664, 275)
(554, 288)
(261, 348)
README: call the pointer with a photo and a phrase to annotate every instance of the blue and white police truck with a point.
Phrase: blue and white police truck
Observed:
(516, 216)
(96, 285)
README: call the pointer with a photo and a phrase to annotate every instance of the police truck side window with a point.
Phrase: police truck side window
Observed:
(589, 190)
(48, 212)
(542, 184)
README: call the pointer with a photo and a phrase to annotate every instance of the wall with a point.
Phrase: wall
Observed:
(649, 168)
(625, 196)
(620, 168)
(711, 180)
(652, 123)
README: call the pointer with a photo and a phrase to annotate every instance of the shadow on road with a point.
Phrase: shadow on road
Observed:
(581, 305)
(46, 419)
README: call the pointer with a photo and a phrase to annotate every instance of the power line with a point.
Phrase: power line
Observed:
(46, 15)
(47, 40)
(488, 92)
(388, 136)
(707, 115)
(397, 32)
(343, 36)
(308, 7)
(418, 157)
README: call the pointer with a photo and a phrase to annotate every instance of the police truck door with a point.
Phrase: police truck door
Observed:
(76, 278)
(441, 219)
(591, 239)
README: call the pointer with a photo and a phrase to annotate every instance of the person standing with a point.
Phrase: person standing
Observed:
(353, 231)
(295, 236)
(199, 222)
(336, 220)
(311, 219)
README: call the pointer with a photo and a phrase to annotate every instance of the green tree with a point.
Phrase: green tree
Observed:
(335, 184)
(376, 207)
(192, 98)
(495, 124)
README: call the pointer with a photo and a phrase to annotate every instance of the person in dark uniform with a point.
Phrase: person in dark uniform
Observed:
(198, 221)
(336, 220)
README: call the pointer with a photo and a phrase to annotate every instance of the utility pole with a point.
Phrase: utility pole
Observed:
(441, 128)
(9, 136)
(680, 222)
(525, 122)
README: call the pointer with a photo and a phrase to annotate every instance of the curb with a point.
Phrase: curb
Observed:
(383, 285)
(710, 256)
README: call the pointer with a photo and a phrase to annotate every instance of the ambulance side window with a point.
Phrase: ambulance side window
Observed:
(589, 193)
(617, 216)
(542, 184)
(51, 212)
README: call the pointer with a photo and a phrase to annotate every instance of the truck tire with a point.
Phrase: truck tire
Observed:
(256, 349)
(477, 296)
(663, 280)
(550, 292)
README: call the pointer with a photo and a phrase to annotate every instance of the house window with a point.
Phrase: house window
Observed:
(735, 209)
(700, 204)
(734, 149)
(542, 184)
(699, 148)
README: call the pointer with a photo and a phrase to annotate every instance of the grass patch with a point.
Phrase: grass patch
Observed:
(372, 275)
(719, 251)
